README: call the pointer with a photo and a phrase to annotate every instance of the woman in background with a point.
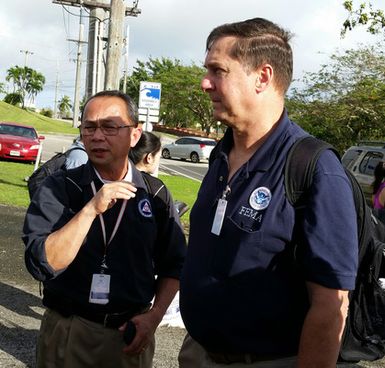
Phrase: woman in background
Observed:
(146, 154)
(379, 186)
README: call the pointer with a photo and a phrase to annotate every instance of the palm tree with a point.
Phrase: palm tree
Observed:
(35, 83)
(64, 105)
(25, 81)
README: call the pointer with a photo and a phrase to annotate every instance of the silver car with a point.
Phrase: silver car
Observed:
(193, 148)
(361, 160)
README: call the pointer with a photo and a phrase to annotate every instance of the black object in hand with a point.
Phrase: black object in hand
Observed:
(129, 332)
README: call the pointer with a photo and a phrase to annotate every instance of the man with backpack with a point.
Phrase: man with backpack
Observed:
(264, 284)
(97, 239)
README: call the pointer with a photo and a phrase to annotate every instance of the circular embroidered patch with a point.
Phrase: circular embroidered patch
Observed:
(260, 198)
(144, 207)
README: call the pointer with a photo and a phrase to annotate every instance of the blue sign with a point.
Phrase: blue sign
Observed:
(149, 95)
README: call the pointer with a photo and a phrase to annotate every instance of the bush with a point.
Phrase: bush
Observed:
(46, 112)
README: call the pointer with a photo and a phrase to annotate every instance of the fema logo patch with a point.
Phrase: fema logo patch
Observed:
(260, 198)
(144, 207)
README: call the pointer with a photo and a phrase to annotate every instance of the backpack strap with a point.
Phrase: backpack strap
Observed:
(299, 167)
(154, 186)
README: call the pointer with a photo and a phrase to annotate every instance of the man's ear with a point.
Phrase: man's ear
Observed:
(135, 136)
(264, 77)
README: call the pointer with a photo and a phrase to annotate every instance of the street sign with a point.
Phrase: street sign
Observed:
(149, 118)
(149, 95)
(147, 127)
(153, 112)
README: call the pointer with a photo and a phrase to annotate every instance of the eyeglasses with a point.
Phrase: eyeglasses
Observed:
(88, 130)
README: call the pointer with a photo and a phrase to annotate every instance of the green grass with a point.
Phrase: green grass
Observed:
(182, 189)
(41, 123)
(13, 187)
(14, 192)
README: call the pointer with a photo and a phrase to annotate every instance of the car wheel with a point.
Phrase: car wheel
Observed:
(194, 157)
(166, 153)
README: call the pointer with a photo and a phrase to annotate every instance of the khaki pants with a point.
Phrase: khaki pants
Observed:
(193, 355)
(75, 342)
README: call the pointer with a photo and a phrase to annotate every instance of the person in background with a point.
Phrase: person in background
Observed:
(379, 186)
(76, 154)
(246, 299)
(146, 154)
(103, 248)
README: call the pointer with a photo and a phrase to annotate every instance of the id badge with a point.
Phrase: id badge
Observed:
(100, 288)
(219, 216)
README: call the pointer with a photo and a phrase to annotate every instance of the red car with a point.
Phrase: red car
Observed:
(19, 142)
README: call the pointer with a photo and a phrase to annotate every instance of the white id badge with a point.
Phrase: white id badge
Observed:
(219, 216)
(100, 288)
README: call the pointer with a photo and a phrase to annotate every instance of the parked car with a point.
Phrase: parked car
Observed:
(19, 142)
(193, 148)
(361, 160)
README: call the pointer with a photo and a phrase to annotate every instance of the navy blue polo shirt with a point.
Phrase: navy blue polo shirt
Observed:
(241, 291)
(141, 248)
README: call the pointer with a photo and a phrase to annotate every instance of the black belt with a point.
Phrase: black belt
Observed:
(220, 358)
(110, 320)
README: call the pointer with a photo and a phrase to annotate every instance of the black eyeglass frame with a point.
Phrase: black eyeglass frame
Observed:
(106, 130)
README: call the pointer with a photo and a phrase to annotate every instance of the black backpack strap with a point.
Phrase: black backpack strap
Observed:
(154, 186)
(74, 191)
(300, 165)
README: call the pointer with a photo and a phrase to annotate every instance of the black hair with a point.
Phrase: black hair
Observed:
(379, 174)
(132, 109)
(148, 143)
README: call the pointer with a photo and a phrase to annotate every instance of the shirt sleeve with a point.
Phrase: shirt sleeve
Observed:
(330, 227)
(47, 212)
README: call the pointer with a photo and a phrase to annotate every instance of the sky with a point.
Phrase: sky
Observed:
(36, 33)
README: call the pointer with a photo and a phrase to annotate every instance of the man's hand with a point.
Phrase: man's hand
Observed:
(109, 193)
(145, 325)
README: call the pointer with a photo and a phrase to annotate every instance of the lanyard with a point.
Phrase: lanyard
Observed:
(118, 221)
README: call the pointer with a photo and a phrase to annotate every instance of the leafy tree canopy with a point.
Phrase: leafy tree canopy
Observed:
(363, 14)
(345, 100)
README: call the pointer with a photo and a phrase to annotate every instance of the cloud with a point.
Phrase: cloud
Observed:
(169, 28)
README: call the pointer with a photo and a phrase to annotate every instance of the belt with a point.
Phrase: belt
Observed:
(110, 320)
(220, 358)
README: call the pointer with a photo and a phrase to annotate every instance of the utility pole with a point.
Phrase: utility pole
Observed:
(98, 9)
(75, 119)
(95, 68)
(26, 52)
(115, 44)
(56, 88)
(127, 43)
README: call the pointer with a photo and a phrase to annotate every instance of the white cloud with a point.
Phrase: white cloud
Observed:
(170, 28)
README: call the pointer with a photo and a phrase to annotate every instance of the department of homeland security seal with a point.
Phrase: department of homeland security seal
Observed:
(260, 198)
(144, 207)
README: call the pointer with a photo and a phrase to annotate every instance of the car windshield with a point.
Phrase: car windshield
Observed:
(18, 131)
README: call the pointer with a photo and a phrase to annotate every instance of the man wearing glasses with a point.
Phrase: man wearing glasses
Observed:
(93, 239)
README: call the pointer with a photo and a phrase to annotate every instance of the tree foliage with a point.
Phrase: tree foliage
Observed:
(363, 14)
(15, 99)
(345, 100)
(183, 103)
(27, 82)
(64, 106)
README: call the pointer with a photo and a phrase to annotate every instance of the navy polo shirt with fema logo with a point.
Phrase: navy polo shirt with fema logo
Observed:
(241, 291)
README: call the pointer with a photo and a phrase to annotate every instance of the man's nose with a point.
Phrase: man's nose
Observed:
(206, 84)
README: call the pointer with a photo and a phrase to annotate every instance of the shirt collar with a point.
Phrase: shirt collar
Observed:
(133, 175)
(266, 155)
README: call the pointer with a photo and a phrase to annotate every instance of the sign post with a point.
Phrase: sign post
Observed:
(149, 103)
